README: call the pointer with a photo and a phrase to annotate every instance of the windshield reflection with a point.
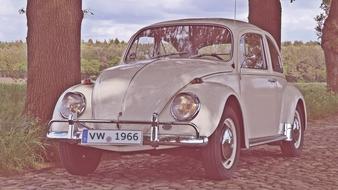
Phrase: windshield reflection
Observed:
(181, 41)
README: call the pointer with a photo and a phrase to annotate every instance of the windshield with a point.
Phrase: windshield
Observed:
(181, 41)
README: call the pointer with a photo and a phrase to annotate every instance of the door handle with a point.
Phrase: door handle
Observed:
(272, 80)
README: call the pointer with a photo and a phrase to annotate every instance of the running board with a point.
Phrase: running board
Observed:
(266, 140)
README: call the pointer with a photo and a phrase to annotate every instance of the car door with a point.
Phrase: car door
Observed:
(257, 87)
(275, 60)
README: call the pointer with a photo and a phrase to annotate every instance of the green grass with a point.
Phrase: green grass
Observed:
(320, 103)
(21, 144)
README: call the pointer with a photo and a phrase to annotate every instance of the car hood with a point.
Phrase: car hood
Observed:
(138, 90)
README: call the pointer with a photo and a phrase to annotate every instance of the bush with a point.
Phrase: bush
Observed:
(90, 67)
(320, 103)
(21, 144)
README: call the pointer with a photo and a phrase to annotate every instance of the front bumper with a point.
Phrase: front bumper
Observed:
(154, 139)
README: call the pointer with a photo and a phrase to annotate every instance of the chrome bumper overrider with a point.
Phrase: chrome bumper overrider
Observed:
(154, 139)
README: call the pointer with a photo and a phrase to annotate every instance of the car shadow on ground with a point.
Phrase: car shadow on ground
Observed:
(170, 167)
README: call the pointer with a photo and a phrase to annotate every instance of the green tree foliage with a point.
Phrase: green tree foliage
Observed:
(325, 6)
(13, 58)
(98, 56)
(303, 61)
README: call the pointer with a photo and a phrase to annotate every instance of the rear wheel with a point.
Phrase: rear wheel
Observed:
(294, 147)
(79, 160)
(221, 155)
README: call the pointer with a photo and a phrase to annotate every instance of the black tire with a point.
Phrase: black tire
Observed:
(79, 160)
(294, 148)
(220, 158)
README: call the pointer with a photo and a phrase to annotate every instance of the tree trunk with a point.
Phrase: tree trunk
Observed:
(330, 46)
(266, 14)
(53, 44)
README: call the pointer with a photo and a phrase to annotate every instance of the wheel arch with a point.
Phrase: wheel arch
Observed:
(233, 102)
(302, 107)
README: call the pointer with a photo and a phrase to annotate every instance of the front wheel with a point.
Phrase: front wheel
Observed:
(221, 155)
(79, 160)
(294, 148)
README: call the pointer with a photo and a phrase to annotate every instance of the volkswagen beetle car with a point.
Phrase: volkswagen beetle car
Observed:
(215, 85)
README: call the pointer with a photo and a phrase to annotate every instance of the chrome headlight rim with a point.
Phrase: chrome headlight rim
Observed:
(195, 113)
(81, 111)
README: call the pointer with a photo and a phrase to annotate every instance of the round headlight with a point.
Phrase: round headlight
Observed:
(185, 106)
(73, 103)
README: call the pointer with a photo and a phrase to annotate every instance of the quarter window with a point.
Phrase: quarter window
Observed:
(252, 54)
(275, 57)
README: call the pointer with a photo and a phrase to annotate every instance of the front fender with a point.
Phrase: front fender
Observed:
(213, 97)
(86, 90)
(290, 100)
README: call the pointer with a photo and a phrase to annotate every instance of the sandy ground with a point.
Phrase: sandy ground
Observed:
(6, 80)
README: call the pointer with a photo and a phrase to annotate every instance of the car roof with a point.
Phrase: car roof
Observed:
(230, 23)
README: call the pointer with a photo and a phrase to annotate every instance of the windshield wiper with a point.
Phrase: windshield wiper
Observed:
(170, 54)
(217, 55)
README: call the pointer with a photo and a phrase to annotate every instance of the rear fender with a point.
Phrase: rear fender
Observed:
(291, 98)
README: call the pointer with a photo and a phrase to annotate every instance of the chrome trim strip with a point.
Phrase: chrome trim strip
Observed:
(178, 141)
(106, 121)
(154, 129)
(162, 140)
(288, 131)
(155, 139)
(265, 140)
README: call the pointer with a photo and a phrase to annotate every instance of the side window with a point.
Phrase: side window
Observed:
(252, 54)
(275, 57)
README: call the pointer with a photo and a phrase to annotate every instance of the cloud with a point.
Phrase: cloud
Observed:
(107, 29)
(298, 20)
(13, 25)
(9, 8)
(122, 18)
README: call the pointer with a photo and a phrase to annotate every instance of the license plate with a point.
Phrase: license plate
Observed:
(111, 137)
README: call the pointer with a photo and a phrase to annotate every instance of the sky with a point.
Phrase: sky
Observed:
(122, 18)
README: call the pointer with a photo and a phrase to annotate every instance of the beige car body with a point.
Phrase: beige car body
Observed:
(136, 91)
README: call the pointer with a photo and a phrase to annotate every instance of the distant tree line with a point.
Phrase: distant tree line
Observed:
(303, 61)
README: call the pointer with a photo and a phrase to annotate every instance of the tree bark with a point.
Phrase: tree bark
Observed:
(266, 14)
(330, 46)
(53, 45)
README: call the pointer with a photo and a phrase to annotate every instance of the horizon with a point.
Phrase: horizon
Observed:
(120, 18)
(123, 41)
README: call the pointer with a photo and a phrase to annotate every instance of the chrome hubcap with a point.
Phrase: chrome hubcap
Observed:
(297, 130)
(229, 145)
